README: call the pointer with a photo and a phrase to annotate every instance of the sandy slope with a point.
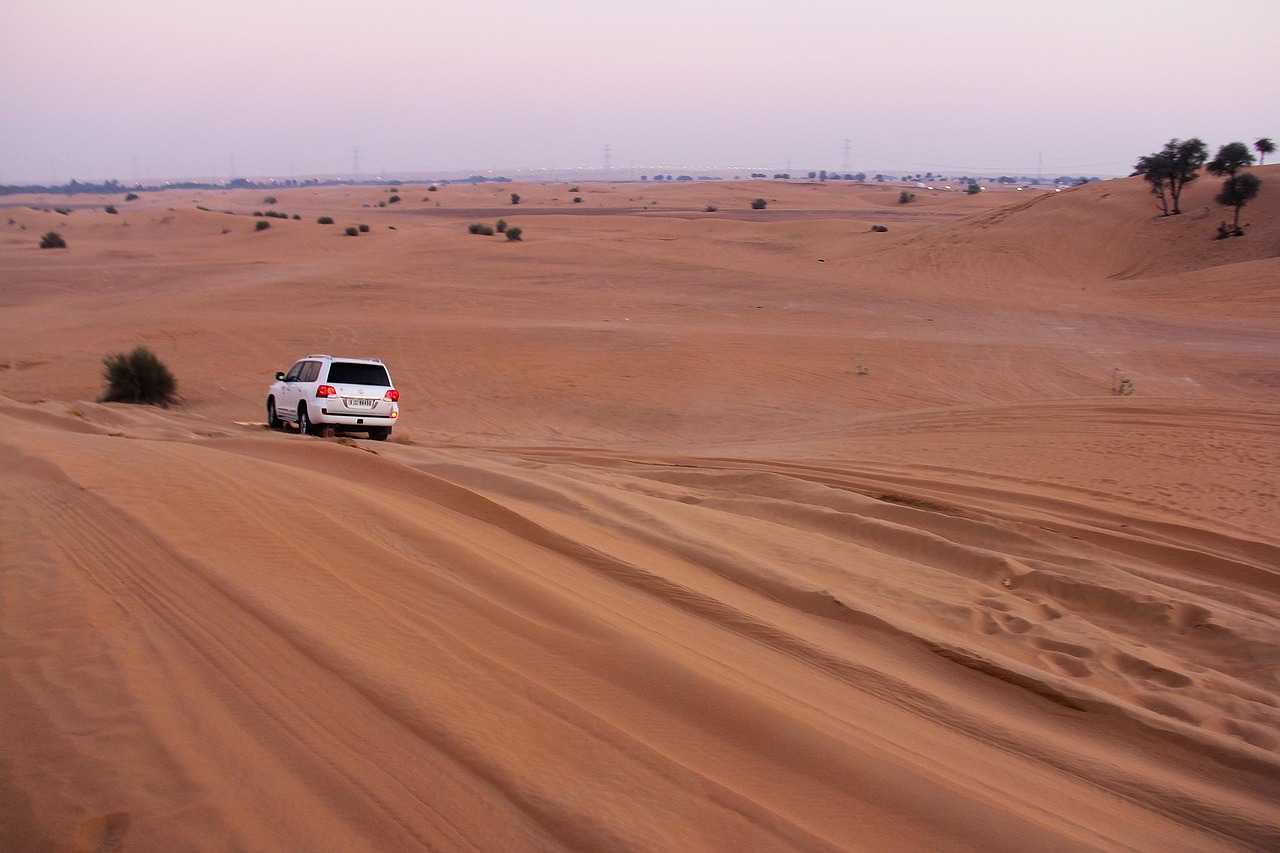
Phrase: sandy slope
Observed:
(701, 531)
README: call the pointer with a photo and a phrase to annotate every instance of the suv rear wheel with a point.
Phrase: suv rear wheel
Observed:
(379, 433)
(304, 422)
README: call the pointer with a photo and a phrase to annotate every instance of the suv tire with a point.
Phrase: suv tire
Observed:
(273, 420)
(379, 433)
(304, 422)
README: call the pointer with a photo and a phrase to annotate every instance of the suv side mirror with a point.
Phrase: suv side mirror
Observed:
(279, 376)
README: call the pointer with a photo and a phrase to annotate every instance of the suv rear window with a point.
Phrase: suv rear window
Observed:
(353, 373)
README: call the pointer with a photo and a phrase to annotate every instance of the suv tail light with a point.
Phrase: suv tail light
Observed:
(393, 395)
(326, 391)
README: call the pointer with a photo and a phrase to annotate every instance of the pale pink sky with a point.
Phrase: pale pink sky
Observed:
(139, 90)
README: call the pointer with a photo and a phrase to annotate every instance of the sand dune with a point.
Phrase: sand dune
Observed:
(701, 531)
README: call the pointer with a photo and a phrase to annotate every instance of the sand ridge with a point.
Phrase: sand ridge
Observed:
(699, 533)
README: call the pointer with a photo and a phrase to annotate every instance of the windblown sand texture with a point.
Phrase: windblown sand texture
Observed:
(745, 530)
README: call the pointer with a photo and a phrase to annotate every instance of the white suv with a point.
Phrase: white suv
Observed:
(320, 393)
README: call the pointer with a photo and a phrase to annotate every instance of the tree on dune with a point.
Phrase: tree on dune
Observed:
(1230, 159)
(1239, 187)
(1170, 169)
(1264, 146)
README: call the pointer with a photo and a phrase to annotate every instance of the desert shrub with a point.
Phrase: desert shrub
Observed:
(431, 188)
(515, 198)
(63, 211)
(880, 228)
(353, 231)
(758, 204)
(513, 234)
(131, 197)
(906, 198)
(575, 190)
(111, 208)
(501, 226)
(269, 200)
(138, 377)
(364, 229)
(486, 230)
(325, 220)
(577, 199)
(474, 228)
(974, 189)
(711, 208)
(297, 217)
(395, 199)
(52, 240)
(261, 225)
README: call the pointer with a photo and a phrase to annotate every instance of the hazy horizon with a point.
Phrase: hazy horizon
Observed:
(139, 91)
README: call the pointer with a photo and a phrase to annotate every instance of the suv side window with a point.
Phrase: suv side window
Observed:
(310, 372)
(292, 375)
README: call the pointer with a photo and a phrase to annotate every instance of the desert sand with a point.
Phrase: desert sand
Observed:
(743, 530)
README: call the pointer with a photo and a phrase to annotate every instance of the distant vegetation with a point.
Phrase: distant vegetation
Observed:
(905, 197)
(1178, 163)
(364, 229)
(515, 198)
(880, 228)
(353, 231)
(480, 228)
(111, 208)
(52, 240)
(261, 225)
(138, 377)
(759, 204)
(514, 233)
(325, 220)
(1264, 147)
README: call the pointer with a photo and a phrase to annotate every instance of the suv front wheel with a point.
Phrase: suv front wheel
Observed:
(273, 420)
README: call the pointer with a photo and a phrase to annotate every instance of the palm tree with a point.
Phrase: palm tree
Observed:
(1265, 146)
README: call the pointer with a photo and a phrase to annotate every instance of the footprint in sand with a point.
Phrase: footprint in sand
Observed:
(103, 834)
(1135, 667)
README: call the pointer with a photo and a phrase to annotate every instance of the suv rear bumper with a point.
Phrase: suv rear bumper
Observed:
(324, 417)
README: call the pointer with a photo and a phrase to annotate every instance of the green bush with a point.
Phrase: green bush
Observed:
(364, 229)
(393, 200)
(513, 234)
(906, 198)
(52, 240)
(711, 208)
(758, 204)
(325, 220)
(880, 228)
(577, 199)
(515, 198)
(973, 189)
(130, 196)
(501, 226)
(261, 225)
(111, 208)
(353, 231)
(138, 377)
(269, 200)
(480, 228)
